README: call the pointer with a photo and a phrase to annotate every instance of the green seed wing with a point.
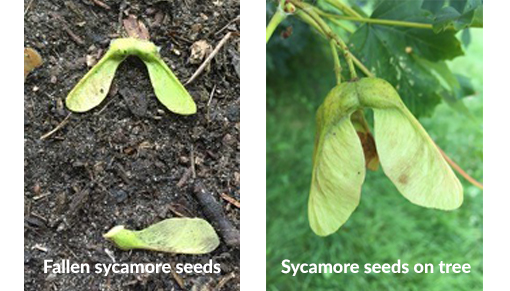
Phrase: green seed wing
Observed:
(180, 235)
(337, 177)
(407, 154)
(92, 89)
(413, 162)
(168, 89)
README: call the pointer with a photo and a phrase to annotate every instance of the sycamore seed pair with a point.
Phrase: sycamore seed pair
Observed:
(407, 155)
(92, 89)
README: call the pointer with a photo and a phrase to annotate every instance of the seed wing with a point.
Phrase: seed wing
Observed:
(92, 89)
(168, 89)
(413, 162)
(338, 173)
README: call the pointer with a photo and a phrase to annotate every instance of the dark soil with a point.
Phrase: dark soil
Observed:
(129, 161)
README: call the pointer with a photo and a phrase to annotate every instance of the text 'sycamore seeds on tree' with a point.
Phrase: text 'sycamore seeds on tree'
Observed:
(173, 235)
(407, 155)
(92, 89)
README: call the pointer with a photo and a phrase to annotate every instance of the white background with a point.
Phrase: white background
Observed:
(496, 143)
(253, 149)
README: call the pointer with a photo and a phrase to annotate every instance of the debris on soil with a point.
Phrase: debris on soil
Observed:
(135, 28)
(33, 60)
(199, 50)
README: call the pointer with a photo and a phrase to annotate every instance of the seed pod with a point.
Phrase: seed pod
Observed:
(174, 235)
(338, 162)
(408, 155)
(92, 89)
(367, 140)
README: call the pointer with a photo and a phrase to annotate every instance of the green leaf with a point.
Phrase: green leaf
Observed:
(390, 52)
(459, 15)
(93, 88)
(173, 235)
(433, 5)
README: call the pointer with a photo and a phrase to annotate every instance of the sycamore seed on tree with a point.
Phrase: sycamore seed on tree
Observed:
(173, 235)
(92, 89)
(405, 151)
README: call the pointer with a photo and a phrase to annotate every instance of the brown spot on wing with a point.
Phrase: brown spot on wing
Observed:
(403, 179)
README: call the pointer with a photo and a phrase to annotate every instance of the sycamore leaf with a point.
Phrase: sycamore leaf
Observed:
(174, 235)
(391, 52)
(459, 15)
(407, 154)
(338, 163)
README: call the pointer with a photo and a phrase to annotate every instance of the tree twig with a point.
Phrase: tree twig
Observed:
(460, 170)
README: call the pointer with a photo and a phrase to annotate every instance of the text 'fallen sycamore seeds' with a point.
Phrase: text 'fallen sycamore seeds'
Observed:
(92, 89)
(407, 155)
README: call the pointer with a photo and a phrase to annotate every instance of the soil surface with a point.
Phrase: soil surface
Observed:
(128, 161)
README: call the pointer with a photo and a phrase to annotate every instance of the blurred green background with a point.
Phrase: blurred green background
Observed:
(385, 227)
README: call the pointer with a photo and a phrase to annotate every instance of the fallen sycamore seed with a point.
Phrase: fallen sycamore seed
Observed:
(92, 89)
(173, 235)
(407, 155)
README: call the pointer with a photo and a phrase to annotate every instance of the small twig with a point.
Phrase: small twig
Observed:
(101, 4)
(214, 212)
(224, 280)
(192, 160)
(177, 278)
(184, 178)
(106, 105)
(228, 24)
(460, 170)
(211, 96)
(209, 103)
(231, 200)
(57, 128)
(209, 58)
(29, 6)
(76, 38)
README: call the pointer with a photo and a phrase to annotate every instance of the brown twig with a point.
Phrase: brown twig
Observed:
(29, 6)
(76, 38)
(177, 278)
(228, 24)
(460, 170)
(192, 161)
(231, 200)
(209, 103)
(101, 4)
(224, 280)
(184, 178)
(214, 212)
(57, 128)
(209, 58)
